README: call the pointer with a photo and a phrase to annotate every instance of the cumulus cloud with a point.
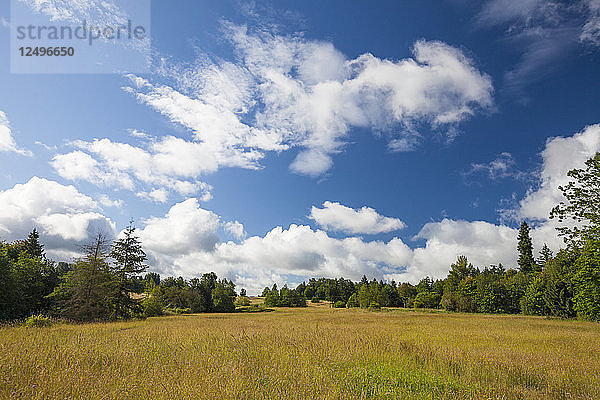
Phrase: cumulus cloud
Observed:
(288, 92)
(169, 164)
(337, 217)
(63, 215)
(560, 155)
(186, 241)
(485, 243)
(7, 141)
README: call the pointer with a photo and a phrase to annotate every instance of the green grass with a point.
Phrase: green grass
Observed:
(313, 353)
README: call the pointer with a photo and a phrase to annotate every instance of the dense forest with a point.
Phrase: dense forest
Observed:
(106, 283)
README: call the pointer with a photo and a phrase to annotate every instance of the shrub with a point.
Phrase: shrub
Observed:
(177, 311)
(38, 321)
(374, 306)
(339, 304)
(352, 301)
(315, 300)
(242, 301)
(152, 307)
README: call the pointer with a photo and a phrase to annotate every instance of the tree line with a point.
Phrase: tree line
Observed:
(106, 283)
(563, 285)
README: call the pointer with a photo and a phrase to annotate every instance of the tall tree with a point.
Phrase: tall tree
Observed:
(581, 212)
(129, 261)
(526, 261)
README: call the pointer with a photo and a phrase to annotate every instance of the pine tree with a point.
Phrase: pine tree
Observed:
(129, 262)
(526, 261)
(545, 257)
(32, 245)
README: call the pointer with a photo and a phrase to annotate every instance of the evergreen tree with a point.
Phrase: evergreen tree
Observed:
(87, 290)
(545, 257)
(526, 261)
(129, 261)
(32, 245)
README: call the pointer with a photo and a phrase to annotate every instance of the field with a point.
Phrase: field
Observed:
(314, 353)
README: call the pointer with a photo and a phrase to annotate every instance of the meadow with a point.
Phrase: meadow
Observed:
(310, 353)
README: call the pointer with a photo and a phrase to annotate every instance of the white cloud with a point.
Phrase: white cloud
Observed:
(236, 229)
(63, 215)
(560, 155)
(337, 217)
(7, 141)
(591, 30)
(503, 166)
(169, 164)
(108, 202)
(289, 92)
(4, 22)
(97, 12)
(186, 242)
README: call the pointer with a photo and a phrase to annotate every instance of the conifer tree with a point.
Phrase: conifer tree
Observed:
(526, 261)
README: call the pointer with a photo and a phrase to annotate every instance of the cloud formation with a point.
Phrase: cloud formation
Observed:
(288, 92)
(7, 141)
(186, 242)
(168, 164)
(62, 214)
(503, 166)
(337, 217)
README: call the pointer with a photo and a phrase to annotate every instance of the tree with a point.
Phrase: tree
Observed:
(129, 261)
(243, 292)
(32, 245)
(86, 291)
(581, 211)
(544, 258)
(587, 282)
(223, 296)
(526, 261)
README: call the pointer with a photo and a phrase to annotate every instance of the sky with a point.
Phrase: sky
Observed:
(272, 142)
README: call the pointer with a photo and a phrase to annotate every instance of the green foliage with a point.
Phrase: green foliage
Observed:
(315, 300)
(374, 306)
(242, 301)
(339, 304)
(583, 196)
(533, 303)
(427, 300)
(223, 296)
(39, 320)
(587, 282)
(526, 262)
(152, 306)
(558, 294)
(352, 301)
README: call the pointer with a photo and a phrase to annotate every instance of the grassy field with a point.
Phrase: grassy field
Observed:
(314, 353)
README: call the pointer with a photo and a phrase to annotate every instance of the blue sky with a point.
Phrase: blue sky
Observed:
(271, 142)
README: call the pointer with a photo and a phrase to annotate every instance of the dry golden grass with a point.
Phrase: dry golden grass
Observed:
(314, 353)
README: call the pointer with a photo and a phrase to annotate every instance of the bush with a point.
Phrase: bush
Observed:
(38, 321)
(374, 306)
(315, 300)
(339, 304)
(177, 311)
(242, 301)
(152, 307)
(352, 301)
